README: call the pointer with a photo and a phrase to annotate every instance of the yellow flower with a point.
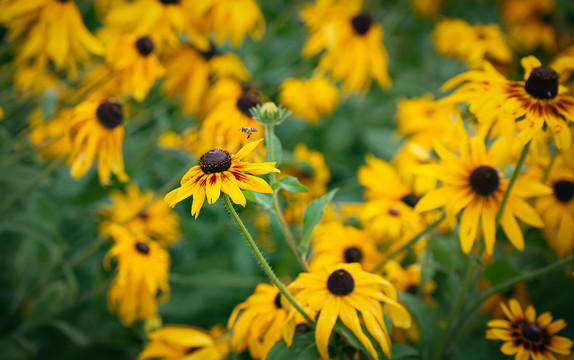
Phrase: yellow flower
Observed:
(182, 342)
(528, 336)
(140, 213)
(219, 171)
(426, 8)
(309, 99)
(525, 24)
(257, 323)
(54, 30)
(340, 292)
(141, 273)
(97, 132)
(472, 182)
(190, 72)
(51, 138)
(334, 243)
(458, 39)
(540, 99)
(408, 279)
(135, 65)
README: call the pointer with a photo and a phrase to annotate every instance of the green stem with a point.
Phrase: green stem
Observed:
(411, 243)
(54, 165)
(511, 182)
(262, 260)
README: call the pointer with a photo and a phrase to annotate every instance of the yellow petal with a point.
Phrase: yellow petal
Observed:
(246, 149)
(230, 187)
(248, 182)
(213, 187)
(469, 225)
(512, 229)
(325, 324)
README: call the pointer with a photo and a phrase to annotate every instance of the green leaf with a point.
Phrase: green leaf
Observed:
(401, 351)
(71, 332)
(47, 304)
(313, 214)
(303, 348)
(290, 184)
(351, 338)
(499, 271)
(264, 200)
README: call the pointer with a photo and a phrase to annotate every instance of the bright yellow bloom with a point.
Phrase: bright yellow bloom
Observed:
(309, 99)
(54, 30)
(135, 65)
(51, 138)
(528, 336)
(257, 323)
(540, 99)
(140, 213)
(190, 73)
(181, 342)
(472, 183)
(526, 26)
(97, 132)
(218, 171)
(458, 39)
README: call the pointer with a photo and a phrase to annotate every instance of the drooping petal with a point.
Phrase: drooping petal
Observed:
(253, 183)
(230, 187)
(469, 225)
(213, 187)
(325, 324)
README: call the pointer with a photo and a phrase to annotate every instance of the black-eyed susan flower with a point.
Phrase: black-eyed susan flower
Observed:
(257, 323)
(140, 213)
(97, 132)
(219, 171)
(539, 100)
(527, 336)
(182, 342)
(472, 183)
(342, 292)
(53, 29)
(190, 72)
(334, 243)
(309, 99)
(458, 39)
(135, 65)
(140, 283)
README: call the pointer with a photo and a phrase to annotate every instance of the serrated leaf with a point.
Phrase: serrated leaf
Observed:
(264, 200)
(290, 184)
(303, 348)
(312, 216)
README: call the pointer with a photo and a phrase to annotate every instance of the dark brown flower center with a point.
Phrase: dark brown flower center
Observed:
(170, 2)
(413, 289)
(192, 350)
(362, 23)
(532, 332)
(411, 200)
(215, 161)
(563, 190)
(542, 83)
(484, 180)
(340, 283)
(278, 301)
(109, 114)
(353, 255)
(144, 46)
(143, 215)
(208, 54)
(302, 328)
(142, 247)
(245, 102)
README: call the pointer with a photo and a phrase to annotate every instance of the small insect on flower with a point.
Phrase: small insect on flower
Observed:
(248, 130)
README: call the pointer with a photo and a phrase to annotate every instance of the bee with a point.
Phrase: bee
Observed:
(248, 130)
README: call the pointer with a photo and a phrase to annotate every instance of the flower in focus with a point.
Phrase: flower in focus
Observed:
(182, 342)
(141, 274)
(54, 30)
(472, 183)
(135, 65)
(97, 132)
(342, 292)
(527, 28)
(257, 323)
(140, 214)
(334, 243)
(460, 40)
(539, 100)
(528, 336)
(309, 99)
(51, 138)
(191, 71)
(219, 171)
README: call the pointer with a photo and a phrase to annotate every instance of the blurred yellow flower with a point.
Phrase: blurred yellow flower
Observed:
(526, 26)
(309, 99)
(51, 138)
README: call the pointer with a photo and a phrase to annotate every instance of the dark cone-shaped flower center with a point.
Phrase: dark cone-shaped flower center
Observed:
(245, 102)
(362, 23)
(413, 289)
(411, 200)
(340, 283)
(542, 83)
(192, 350)
(532, 332)
(215, 161)
(353, 255)
(109, 114)
(170, 2)
(278, 301)
(484, 180)
(142, 247)
(144, 46)
(302, 328)
(207, 55)
(564, 190)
